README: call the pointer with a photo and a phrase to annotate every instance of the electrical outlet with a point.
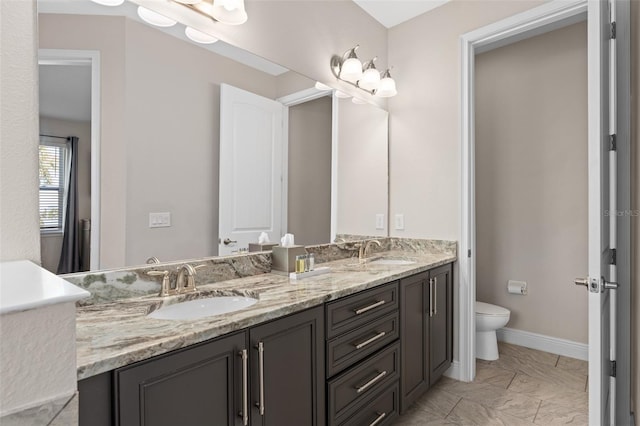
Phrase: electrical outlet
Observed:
(159, 220)
(380, 221)
(399, 222)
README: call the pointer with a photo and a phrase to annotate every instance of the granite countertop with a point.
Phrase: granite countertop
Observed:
(112, 335)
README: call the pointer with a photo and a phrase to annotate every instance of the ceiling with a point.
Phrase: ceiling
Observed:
(393, 12)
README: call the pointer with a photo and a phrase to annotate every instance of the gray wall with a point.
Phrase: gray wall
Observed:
(531, 180)
(309, 203)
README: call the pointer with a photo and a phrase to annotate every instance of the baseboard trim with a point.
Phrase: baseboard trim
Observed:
(454, 371)
(541, 342)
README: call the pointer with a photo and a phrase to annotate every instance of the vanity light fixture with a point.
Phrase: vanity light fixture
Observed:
(199, 36)
(349, 69)
(154, 18)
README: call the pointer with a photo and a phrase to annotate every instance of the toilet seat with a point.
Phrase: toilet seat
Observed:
(488, 309)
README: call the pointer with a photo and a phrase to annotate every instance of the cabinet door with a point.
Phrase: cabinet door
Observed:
(287, 371)
(440, 322)
(200, 385)
(414, 333)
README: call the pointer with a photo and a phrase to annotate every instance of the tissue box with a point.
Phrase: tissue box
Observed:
(284, 258)
(261, 247)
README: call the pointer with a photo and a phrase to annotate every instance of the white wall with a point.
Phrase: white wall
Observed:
(19, 222)
(51, 244)
(531, 180)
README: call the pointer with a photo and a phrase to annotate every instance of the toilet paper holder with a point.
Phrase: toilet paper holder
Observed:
(517, 287)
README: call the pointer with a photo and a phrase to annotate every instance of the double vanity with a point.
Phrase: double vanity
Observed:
(353, 347)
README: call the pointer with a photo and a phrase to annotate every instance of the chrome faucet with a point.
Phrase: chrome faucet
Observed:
(364, 247)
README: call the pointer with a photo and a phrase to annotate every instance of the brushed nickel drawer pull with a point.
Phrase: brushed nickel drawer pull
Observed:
(435, 296)
(368, 308)
(431, 297)
(371, 340)
(371, 382)
(378, 419)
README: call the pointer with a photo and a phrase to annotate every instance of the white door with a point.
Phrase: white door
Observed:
(251, 165)
(602, 196)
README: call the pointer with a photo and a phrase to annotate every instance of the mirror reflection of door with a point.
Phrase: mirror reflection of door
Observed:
(65, 113)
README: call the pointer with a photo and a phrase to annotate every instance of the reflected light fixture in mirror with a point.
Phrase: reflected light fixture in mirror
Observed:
(154, 18)
(199, 36)
(366, 78)
(109, 2)
(231, 12)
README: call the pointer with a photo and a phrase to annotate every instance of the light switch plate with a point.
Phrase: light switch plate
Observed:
(399, 222)
(380, 221)
(159, 220)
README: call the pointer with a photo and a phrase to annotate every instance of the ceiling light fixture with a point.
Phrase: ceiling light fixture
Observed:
(230, 12)
(349, 69)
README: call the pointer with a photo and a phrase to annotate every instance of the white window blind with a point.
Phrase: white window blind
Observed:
(53, 164)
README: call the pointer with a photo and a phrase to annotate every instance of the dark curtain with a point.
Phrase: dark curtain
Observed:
(70, 256)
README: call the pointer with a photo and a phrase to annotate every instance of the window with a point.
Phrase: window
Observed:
(53, 164)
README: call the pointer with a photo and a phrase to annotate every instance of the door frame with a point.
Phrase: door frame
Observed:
(84, 57)
(548, 17)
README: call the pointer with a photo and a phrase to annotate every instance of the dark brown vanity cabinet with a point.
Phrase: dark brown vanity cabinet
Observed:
(426, 331)
(287, 371)
(197, 386)
(363, 357)
(272, 374)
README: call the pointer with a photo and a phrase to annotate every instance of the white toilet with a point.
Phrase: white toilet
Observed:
(489, 318)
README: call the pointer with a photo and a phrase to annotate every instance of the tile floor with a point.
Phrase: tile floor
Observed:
(523, 387)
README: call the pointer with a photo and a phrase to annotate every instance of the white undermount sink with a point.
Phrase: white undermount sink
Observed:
(390, 261)
(201, 308)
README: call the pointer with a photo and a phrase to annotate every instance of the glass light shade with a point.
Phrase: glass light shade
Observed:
(387, 87)
(370, 79)
(199, 36)
(321, 86)
(351, 69)
(109, 2)
(229, 12)
(154, 18)
(342, 95)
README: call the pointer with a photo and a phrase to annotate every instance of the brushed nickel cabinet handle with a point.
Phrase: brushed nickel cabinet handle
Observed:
(378, 419)
(371, 382)
(260, 403)
(245, 388)
(430, 297)
(368, 308)
(435, 296)
(371, 340)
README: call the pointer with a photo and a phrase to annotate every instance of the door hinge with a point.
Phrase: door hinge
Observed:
(612, 33)
(613, 144)
(612, 256)
(469, 253)
(612, 368)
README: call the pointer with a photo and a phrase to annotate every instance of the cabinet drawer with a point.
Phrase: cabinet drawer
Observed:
(347, 349)
(358, 383)
(350, 312)
(381, 411)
